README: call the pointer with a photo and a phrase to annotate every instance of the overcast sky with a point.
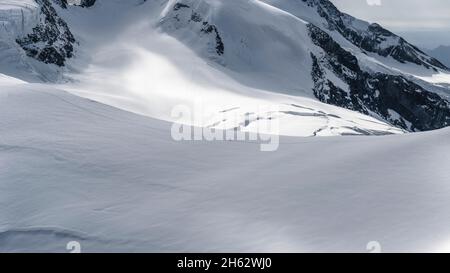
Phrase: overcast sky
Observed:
(424, 22)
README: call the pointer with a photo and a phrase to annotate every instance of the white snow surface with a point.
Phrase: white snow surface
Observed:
(74, 169)
(153, 73)
(133, 55)
(101, 168)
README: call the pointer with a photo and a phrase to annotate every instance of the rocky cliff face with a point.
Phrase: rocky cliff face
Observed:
(183, 17)
(393, 98)
(51, 40)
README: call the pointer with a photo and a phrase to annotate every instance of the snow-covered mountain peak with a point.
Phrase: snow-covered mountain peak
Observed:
(312, 45)
(371, 38)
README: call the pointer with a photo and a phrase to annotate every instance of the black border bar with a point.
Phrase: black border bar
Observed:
(234, 262)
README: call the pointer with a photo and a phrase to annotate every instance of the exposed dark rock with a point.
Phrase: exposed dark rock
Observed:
(325, 90)
(424, 110)
(220, 47)
(196, 17)
(393, 98)
(51, 40)
(187, 17)
(179, 6)
(62, 3)
(87, 3)
(374, 39)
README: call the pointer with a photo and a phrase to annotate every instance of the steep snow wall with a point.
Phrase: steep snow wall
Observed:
(17, 17)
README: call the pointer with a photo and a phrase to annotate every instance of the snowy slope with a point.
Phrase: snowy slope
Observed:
(149, 56)
(151, 74)
(245, 47)
(74, 169)
(86, 152)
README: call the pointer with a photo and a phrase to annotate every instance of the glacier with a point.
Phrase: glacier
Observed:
(76, 170)
(87, 155)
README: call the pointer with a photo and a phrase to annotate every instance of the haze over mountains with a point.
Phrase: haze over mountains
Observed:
(442, 53)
